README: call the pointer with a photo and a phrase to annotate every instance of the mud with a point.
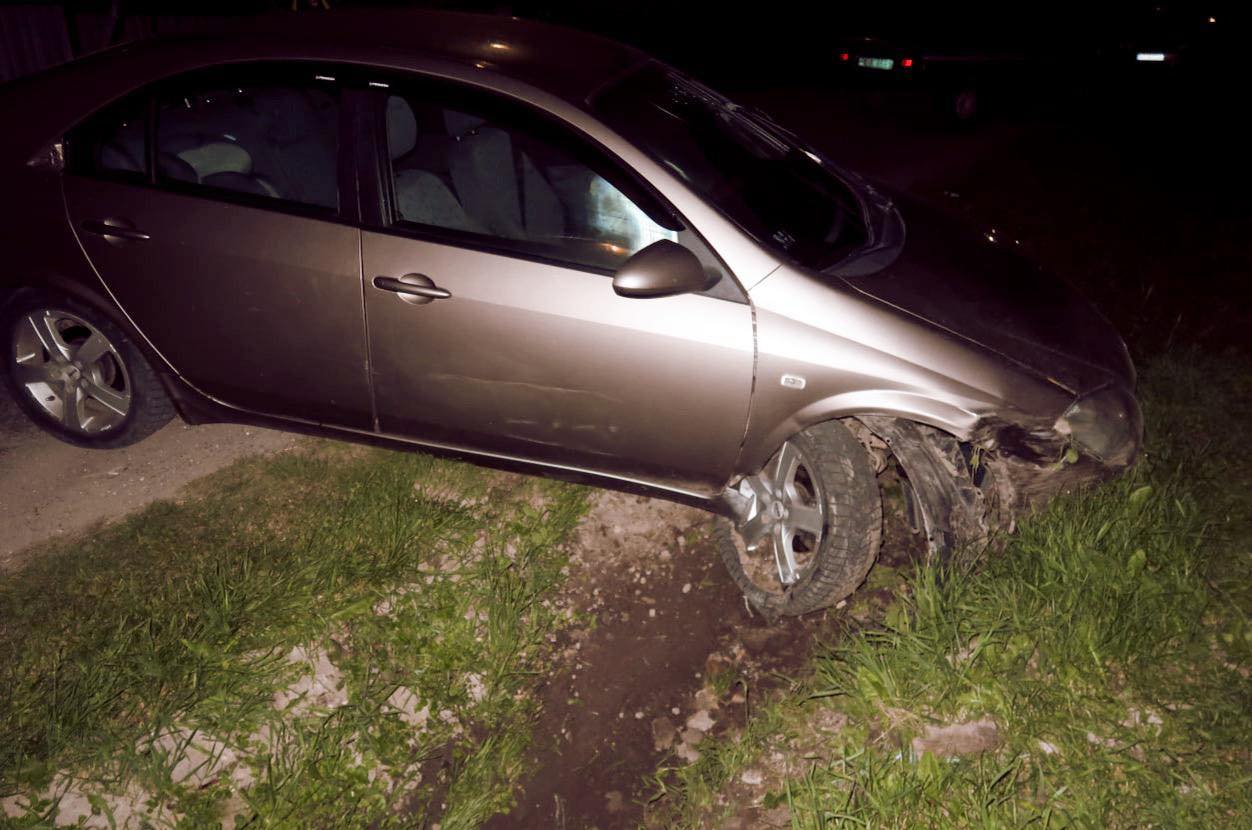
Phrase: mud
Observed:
(668, 655)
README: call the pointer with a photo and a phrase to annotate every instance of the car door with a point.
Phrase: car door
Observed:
(513, 227)
(211, 207)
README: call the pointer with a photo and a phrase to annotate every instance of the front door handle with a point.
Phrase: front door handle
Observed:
(415, 289)
(114, 229)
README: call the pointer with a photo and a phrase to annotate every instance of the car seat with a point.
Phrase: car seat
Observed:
(507, 193)
(421, 195)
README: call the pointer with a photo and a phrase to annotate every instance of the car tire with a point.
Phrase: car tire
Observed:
(963, 104)
(77, 375)
(823, 468)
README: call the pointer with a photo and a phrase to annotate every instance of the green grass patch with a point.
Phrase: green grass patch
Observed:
(1110, 644)
(331, 637)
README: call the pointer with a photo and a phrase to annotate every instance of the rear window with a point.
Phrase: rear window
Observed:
(113, 144)
(270, 138)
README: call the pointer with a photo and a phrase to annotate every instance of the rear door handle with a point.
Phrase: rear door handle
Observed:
(416, 289)
(114, 229)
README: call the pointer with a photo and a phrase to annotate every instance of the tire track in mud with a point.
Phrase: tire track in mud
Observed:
(665, 657)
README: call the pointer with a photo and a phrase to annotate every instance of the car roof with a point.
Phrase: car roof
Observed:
(566, 62)
(562, 62)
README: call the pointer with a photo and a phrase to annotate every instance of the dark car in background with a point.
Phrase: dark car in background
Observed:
(957, 80)
(1161, 41)
(961, 60)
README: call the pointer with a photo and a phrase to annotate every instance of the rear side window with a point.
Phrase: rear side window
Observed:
(113, 143)
(269, 139)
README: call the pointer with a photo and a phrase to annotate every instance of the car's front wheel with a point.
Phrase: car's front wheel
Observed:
(77, 375)
(812, 525)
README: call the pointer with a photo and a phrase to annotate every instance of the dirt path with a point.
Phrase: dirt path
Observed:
(667, 653)
(662, 619)
(49, 489)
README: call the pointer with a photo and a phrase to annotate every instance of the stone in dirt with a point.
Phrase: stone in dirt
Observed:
(969, 738)
(706, 698)
(687, 753)
(475, 686)
(404, 702)
(323, 688)
(663, 732)
(198, 759)
(692, 737)
(700, 720)
(131, 809)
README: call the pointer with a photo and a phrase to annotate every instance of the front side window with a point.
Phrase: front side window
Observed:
(270, 139)
(739, 161)
(481, 170)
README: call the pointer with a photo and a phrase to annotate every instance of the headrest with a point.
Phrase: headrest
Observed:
(172, 168)
(401, 127)
(114, 156)
(459, 124)
(217, 157)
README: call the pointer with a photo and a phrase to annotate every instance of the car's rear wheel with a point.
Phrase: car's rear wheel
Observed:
(963, 104)
(77, 375)
(812, 526)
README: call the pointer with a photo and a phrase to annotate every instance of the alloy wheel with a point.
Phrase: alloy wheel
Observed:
(786, 518)
(71, 371)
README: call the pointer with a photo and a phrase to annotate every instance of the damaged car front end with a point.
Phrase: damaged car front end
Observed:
(889, 337)
(981, 437)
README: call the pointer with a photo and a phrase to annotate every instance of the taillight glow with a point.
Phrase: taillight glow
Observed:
(843, 56)
(907, 63)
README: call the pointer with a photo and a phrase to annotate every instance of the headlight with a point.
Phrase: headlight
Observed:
(1106, 424)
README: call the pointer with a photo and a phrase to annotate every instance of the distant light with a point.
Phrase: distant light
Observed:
(1150, 57)
(498, 45)
(1212, 19)
(843, 56)
(323, 78)
(907, 63)
(814, 156)
(380, 85)
(480, 64)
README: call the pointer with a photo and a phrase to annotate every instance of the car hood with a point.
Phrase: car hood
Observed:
(978, 289)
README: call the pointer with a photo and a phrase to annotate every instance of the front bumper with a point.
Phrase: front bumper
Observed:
(1098, 438)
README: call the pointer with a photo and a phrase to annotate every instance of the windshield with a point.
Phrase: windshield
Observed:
(751, 169)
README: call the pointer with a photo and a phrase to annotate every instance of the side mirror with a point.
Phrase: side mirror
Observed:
(662, 269)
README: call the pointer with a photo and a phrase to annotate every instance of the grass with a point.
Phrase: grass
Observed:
(423, 588)
(1110, 644)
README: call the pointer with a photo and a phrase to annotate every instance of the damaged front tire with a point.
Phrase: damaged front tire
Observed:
(812, 524)
(959, 514)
